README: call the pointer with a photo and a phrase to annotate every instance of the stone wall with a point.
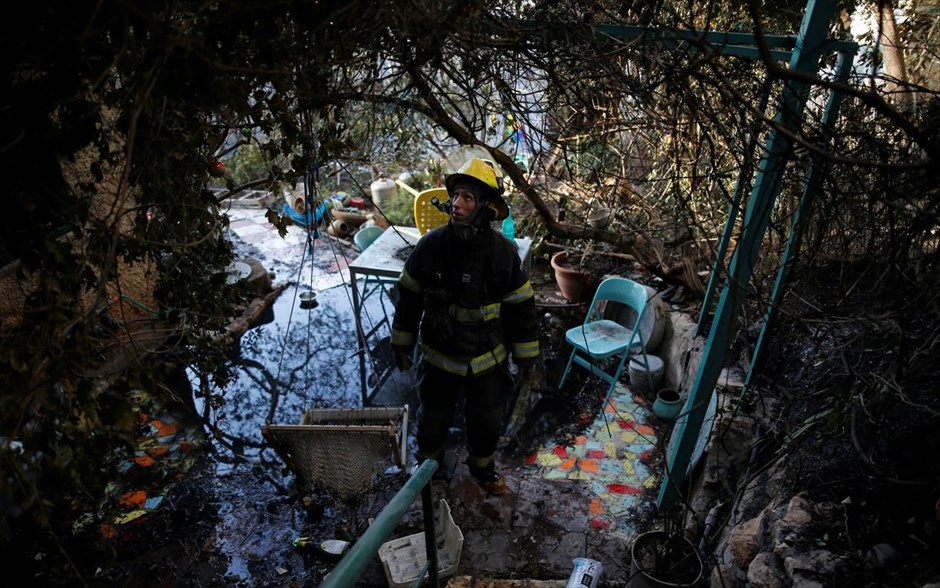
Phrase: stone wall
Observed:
(752, 529)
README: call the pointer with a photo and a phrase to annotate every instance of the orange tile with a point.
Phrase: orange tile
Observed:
(157, 451)
(588, 465)
(165, 429)
(135, 498)
(568, 463)
(645, 430)
(144, 461)
(580, 439)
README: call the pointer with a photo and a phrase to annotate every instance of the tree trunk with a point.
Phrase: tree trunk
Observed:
(892, 53)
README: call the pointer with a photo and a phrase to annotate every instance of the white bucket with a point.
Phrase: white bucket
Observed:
(638, 379)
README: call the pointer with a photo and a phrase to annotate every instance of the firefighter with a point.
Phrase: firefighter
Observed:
(464, 287)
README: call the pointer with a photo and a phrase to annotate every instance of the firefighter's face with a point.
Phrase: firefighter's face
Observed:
(464, 202)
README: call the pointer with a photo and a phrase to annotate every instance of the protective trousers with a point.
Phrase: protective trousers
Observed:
(484, 398)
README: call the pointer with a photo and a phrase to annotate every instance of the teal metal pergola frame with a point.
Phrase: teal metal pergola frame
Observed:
(803, 52)
(804, 60)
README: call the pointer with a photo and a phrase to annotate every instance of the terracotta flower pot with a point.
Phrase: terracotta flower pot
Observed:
(575, 285)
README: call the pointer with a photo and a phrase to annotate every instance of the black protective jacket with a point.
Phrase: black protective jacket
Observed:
(472, 299)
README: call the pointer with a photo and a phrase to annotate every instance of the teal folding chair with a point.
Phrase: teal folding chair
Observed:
(598, 340)
(365, 237)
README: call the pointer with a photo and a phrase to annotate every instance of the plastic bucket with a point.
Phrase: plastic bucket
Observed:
(638, 380)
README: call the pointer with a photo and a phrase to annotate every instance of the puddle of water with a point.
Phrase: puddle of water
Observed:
(294, 360)
(298, 358)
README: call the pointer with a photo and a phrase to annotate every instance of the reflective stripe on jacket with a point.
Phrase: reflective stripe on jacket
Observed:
(471, 301)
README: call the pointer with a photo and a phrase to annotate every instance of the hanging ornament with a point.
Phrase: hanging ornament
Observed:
(216, 169)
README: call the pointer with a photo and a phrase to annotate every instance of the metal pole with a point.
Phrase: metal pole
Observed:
(430, 534)
(360, 555)
(778, 148)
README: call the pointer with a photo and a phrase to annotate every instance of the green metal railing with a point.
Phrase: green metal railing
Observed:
(360, 555)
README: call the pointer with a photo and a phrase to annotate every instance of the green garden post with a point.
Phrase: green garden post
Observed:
(777, 151)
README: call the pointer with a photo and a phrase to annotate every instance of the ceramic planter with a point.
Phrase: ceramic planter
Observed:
(575, 285)
(663, 560)
(668, 404)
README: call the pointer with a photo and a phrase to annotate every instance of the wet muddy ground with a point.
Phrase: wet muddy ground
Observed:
(228, 512)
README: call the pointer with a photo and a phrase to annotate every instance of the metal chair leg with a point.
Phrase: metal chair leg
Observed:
(564, 376)
(616, 377)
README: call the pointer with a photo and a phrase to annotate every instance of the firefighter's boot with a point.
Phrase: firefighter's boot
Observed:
(489, 479)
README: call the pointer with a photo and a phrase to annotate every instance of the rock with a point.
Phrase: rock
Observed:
(779, 478)
(731, 378)
(812, 568)
(782, 549)
(764, 572)
(799, 512)
(792, 527)
(722, 575)
(745, 540)
(829, 511)
(680, 350)
(883, 555)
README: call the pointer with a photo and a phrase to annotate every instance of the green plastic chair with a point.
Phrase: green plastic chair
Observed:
(598, 339)
(367, 236)
(371, 284)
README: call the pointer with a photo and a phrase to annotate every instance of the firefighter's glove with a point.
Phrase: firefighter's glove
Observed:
(403, 356)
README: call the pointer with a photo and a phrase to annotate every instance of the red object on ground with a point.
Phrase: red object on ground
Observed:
(216, 169)
(623, 489)
(357, 203)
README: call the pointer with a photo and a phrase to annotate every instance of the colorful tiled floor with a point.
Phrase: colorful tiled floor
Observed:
(163, 452)
(611, 455)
